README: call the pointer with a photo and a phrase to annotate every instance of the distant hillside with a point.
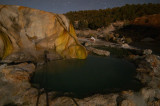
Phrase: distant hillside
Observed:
(94, 19)
(142, 27)
(150, 20)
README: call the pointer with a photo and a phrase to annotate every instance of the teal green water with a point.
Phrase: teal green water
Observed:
(84, 77)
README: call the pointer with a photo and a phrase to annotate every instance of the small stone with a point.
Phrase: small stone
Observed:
(125, 45)
(147, 52)
(99, 52)
(86, 44)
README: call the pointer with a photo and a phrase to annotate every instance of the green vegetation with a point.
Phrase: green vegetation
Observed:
(94, 19)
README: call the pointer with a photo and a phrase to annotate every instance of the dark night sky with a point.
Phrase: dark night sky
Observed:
(63, 6)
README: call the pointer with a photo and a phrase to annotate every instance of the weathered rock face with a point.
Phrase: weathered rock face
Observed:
(31, 31)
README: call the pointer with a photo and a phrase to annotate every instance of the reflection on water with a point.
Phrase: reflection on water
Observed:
(84, 77)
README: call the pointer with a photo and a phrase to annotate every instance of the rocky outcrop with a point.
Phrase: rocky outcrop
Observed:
(30, 31)
(148, 71)
(15, 88)
(98, 51)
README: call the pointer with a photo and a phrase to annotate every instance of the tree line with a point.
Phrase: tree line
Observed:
(94, 19)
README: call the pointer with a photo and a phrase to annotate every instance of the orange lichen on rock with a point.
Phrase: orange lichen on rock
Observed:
(68, 46)
(7, 45)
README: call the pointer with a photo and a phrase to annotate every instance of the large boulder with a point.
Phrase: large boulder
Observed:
(30, 32)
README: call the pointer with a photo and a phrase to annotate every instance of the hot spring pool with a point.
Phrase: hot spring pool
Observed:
(96, 74)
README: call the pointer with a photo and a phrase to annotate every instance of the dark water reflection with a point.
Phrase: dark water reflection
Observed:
(85, 77)
(154, 46)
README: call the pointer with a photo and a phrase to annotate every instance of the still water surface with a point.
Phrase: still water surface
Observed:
(85, 77)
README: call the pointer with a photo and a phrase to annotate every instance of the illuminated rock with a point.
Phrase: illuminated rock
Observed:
(31, 31)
